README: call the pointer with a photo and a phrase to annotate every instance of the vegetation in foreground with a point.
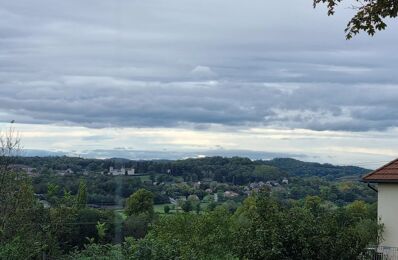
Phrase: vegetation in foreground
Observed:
(261, 228)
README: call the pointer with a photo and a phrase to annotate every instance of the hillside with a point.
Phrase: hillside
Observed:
(235, 169)
(299, 168)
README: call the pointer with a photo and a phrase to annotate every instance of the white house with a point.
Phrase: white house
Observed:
(121, 171)
(386, 179)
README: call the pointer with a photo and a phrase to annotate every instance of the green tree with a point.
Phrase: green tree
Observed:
(81, 199)
(370, 15)
(265, 229)
(197, 208)
(140, 202)
(187, 206)
(166, 209)
(22, 217)
(136, 225)
(188, 236)
(211, 206)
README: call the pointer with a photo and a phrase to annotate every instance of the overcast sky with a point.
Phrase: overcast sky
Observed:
(176, 78)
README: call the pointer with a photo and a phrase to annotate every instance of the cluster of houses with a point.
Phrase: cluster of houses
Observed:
(256, 186)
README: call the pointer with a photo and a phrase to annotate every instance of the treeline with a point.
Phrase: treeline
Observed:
(234, 170)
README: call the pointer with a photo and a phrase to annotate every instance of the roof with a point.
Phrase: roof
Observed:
(386, 173)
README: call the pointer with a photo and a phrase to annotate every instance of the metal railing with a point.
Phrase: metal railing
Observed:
(380, 253)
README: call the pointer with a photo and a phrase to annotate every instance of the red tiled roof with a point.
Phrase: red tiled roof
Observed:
(386, 173)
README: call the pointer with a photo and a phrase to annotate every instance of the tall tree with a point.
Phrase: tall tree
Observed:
(140, 202)
(21, 215)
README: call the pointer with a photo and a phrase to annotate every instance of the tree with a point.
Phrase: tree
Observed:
(370, 15)
(188, 236)
(197, 208)
(266, 229)
(21, 215)
(166, 209)
(81, 200)
(140, 202)
(187, 206)
(136, 225)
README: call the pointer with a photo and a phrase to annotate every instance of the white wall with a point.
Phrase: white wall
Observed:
(387, 211)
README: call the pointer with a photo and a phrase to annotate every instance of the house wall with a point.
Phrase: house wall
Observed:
(387, 211)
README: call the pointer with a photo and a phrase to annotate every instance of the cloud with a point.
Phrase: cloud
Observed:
(203, 72)
(111, 102)
(192, 64)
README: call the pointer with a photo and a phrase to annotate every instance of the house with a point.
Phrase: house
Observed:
(386, 179)
(121, 171)
(230, 194)
(66, 172)
(209, 190)
(285, 181)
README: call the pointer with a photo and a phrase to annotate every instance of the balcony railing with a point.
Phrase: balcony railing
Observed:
(380, 253)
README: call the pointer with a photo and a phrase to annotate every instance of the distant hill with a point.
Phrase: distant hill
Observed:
(233, 169)
(299, 168)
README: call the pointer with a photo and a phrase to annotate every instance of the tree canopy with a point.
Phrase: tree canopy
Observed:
(140, 202)
(370, 14)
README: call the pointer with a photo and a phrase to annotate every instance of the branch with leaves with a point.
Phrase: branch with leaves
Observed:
(370, 15)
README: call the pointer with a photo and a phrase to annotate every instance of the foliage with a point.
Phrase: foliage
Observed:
(187, 206)
(321, 217)
(370, 15)
(140, 202)
(81, 199)
(97, 252)
(22, 217)
(264, 229)
(101, 230)
(188, 236)
(137, 225)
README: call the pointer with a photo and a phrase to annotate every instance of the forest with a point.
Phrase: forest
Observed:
(208, 208)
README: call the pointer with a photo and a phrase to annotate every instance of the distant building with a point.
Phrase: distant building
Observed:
(230, 194)
(285, 181)
(173, 201)
(64, 172)
(121, 171)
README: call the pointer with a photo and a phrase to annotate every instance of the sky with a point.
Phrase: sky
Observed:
(188, 78)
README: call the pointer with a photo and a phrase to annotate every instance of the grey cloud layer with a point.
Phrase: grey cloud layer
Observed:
(154, 104)
(175, 63)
